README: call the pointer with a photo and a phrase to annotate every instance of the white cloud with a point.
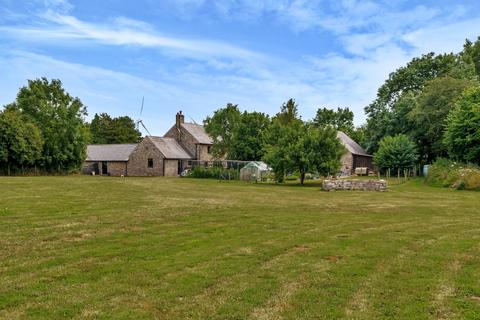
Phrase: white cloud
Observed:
(375, 41)
(443, 37)
(121, 32)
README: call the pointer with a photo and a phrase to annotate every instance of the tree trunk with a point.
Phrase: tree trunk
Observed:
(302, 177)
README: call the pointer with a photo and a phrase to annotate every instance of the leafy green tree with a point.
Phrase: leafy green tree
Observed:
(430, 112)
(294, 146)
(288, 112)
(60, 118)
(279, 143)
(462, 135)
(247, 142)
(106, 130)
(358, 135)
(341, 119)
(471, 54)
(221, 128)
(396, 153)
(20, 142)
(382, 117)
(237, 135)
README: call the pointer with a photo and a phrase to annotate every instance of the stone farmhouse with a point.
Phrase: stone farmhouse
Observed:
(182, 145)
(153, 156)
(355, 157)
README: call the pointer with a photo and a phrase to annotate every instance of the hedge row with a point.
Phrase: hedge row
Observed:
(446, 173)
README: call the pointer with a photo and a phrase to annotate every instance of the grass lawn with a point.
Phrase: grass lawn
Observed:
(97, 248)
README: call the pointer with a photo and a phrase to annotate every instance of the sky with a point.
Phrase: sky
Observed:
(199, 55)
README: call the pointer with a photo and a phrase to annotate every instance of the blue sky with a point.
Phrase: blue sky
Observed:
(198, 55)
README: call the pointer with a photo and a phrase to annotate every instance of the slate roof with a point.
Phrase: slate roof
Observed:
(170, 148)
(109, 152)
(352, 146)
(198, 132)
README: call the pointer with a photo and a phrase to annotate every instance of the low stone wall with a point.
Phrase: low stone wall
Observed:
(354, 184)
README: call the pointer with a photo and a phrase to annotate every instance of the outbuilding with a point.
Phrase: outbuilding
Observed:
(355, 157)
(255, 170)
(108, 159)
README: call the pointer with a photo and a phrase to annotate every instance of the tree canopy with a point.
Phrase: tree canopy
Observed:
(429, 114)
(462, 135)
(396, 153)
(60, 118)
(106, 130)
(416, 99)
(340, 119)
(292, 145)
(21, 142)
(220, 127)
(237, 135)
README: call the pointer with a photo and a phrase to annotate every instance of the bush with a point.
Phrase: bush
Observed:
(446, 173)
(397, 153)
(214, 172)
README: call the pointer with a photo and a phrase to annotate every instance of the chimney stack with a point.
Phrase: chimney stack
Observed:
(180, 118)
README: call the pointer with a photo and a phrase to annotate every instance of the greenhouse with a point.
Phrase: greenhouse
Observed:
(255, 171)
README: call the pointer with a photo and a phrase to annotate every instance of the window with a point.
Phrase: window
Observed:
(150, 162)
(209, 148)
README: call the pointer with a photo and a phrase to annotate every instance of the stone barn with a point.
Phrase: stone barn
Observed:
(153, 156)
(108, 159)
(355, 157)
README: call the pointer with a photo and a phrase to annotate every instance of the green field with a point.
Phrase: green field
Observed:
(98, 248)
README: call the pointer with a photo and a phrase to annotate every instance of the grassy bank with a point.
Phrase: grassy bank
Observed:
(95, 247)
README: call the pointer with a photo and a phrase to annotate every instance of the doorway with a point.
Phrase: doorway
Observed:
(180, 167)
(104, 168)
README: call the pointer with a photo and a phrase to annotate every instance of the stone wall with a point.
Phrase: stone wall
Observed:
(354, 184)
(117, 168)
(202, 153)
(138, 162)
(88, 167)
(347, 163)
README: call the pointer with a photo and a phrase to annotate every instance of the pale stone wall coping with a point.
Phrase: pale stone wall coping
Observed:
(355, 184)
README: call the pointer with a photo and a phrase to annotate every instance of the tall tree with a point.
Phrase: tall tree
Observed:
(294, 146)
(462, 135)
(20, 142)
(429, 114)
(381, 113)
(471, 54)
(340, 119)
(247, 142)
(221, 128)
(288, 112)
(60, 118)
(107, 130)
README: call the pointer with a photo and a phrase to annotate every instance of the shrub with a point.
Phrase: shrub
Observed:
(397, 153)
(446, 173)
(214, 172)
